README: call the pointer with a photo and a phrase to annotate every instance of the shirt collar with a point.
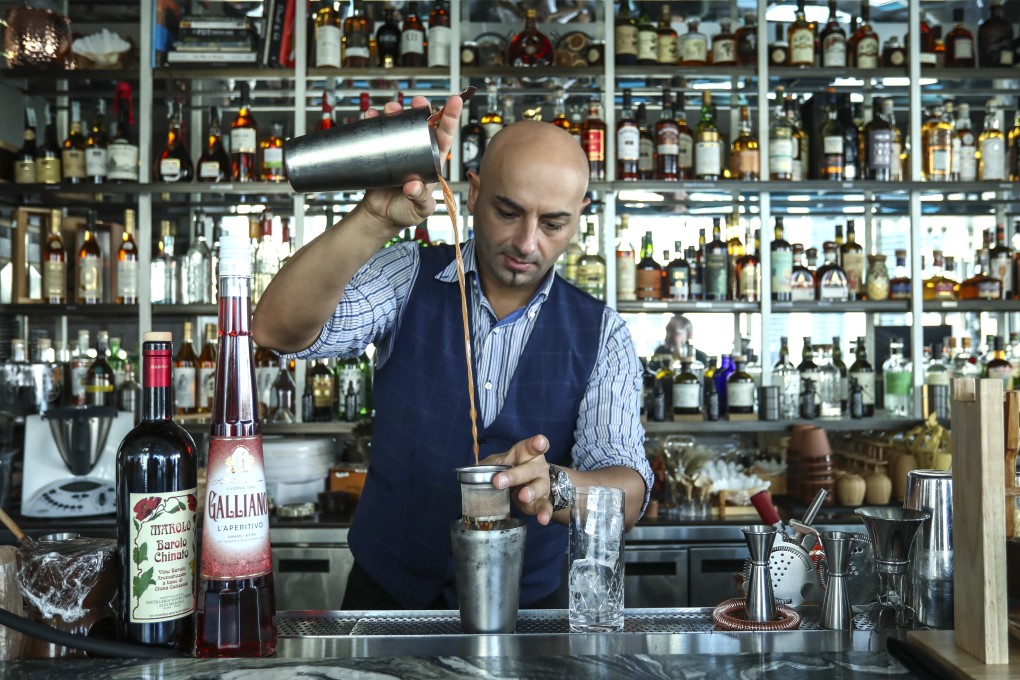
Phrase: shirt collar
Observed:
(449, 274)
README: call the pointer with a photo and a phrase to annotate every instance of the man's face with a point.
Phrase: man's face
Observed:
(523, 223)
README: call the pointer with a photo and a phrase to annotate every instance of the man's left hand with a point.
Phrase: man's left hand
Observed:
(528, 476)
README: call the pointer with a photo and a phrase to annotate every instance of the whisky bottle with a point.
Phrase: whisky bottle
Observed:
(851, 256)
(174, 163)
(724, 45)
(936, 147)
(47, 156)
(354, 43)
(667, 141)
(851, 139)
(648, 276)
(991, 146)
(626, 35)
(387, 40)
(678, 276)
(981, 286)
(899, 284)
(591, 267)
(439, 38)
(687, 389)
(96, 159)
(327, 36)
(163, 273)
(122, 153)
(244, 143)
(693, 45)
(24, 160)
(787, 378)
(863, 374)
(647, 41)
(90, 265)
(959, 44)
(781, 264)
(72, 158)
(938, 286)
(266, 261)
(716, 264)
(127, 263)
(748, 273)
(833, 41)
(801, 37)
(802, 276)
(628, 142)
(412, 39)
(626, 266)
(696, 259)
(864, 43)
(745, 157)
(878, 140)
(492, 119)
(54, 263)
(214, 163)
(530, 47)
(685, 140)
(995, 39)
(740, 388)
(779, 49)
(185, 371)
(593, 141)
(272, 155)
(781, 141)
(1001, 261)
(831, 279)
(800, 140)
(708, 151)
(831, 134)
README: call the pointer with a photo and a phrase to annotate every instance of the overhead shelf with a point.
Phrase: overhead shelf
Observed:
(723, 426)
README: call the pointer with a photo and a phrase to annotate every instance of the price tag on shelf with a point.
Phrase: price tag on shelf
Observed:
(950, 304)
(654, 304)
(703, 305)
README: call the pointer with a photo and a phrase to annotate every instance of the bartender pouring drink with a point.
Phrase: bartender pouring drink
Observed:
(558, 380)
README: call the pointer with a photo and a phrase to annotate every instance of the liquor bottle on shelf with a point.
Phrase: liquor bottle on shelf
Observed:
(439, 38)
(807, 368)
(648, 276)
(284, 396)
(740, 388)
(626, 35)
(802, 277)
(724, 45)
(412, 39)
(1001, 262)
(47, 156)
(995, 39)
(692, 46)
(781, 141)
(844, 384)
(716, 264)
(593, 141)
(1013, 149)
(998, 366)
(127, 263)
(530, 47)
(214, 163)
(326, 117)
(678, 276)
(748, 273)
(472, 145)
(24, 159)
(323, 385)
(78, 366)
(864, 43)
(851, 255)
(327, 36)
(573, 253)
(708, 143)
(959, 44)
(982, 285)
(938, 286)
(667, 141)
(162, 286)
(267, 257)
(964, 150)
(122, 152)
(696, 260)
(354, 44)
(72, 158)
(687, 389)
(831, 134)
(747, 40)
(265, 373)
(492, 119)
(863, 375)
(667, 44)
(174, 162)
(991, 146)
(745, 156)
(186, 374)
(647, 41)
(100, 383)
(235, 601)
(801, 37)
(779, 49)
(899, 284)
(833, 41)
(96, 158)
(196, 272)
(936, 147)
(827, 386)
(560, 119)
(387, 40)
(787, 378)
(897, 381)
(832, 280)
(54, 263)
(591, 267)
(626, 265)
(157, 493)
(90, 265)
(628, 142)
(781, 264)
(207, 370)
(244, 143)
(685, 139)
(800, 140)
(348, 375)
(851, 139)
(272, 155)
(734, 251)
(878, 141)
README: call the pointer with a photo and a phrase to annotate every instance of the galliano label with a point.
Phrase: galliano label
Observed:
(235, 535)
(163, 549)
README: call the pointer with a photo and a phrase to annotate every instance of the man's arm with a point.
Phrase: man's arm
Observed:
(304, 294)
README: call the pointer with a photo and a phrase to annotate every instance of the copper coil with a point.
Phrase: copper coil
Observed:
(726, 617)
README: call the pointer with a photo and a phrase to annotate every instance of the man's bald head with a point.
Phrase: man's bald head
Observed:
(532, 141)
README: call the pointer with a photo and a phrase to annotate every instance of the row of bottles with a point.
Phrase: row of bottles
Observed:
(350, 42)
(803, 43)
(337, 390)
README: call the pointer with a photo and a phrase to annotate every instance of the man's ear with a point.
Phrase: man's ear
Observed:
(474, 186)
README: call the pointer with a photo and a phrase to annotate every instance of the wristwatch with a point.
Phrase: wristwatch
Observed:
(561, 491)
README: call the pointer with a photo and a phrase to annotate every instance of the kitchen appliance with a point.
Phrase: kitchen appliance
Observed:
(70, 461)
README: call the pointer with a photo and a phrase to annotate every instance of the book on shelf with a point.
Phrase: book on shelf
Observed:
(216, 23)
(214, 47)
(211, 57)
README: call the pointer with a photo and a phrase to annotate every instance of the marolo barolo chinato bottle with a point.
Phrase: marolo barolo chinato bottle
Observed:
(156, 513)
(236, 603)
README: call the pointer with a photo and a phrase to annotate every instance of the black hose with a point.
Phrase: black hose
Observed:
(97, 646)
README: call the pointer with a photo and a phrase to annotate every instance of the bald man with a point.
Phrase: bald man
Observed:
(557, 379)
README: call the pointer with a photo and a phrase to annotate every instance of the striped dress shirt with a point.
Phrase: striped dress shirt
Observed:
(608, 431)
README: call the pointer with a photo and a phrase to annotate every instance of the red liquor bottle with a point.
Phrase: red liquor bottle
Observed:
(530, 47)
(157, 496)
(235, 602)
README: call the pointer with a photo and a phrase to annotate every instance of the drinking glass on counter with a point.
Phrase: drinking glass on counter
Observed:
(596, 560)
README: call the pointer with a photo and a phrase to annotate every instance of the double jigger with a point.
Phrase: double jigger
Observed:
(488, 553)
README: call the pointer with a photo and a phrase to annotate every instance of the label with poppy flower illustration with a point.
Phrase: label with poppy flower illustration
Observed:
(163, 552)
(235, 530)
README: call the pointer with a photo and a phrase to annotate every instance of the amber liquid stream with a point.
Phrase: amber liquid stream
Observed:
(451, 207)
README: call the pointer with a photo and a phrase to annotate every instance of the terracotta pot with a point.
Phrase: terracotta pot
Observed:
(815, 444)
(797, 436)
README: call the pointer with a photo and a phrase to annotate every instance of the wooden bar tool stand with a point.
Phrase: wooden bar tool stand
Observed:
(979, 645)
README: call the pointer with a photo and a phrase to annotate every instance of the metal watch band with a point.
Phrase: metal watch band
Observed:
(561, 491)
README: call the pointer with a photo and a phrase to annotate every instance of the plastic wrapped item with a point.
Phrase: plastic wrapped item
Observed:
(10, 599)
(69, 582)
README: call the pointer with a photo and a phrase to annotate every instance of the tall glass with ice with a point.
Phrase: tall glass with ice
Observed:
(596, 560)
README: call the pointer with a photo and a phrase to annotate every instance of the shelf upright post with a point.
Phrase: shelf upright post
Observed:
(609, 93)
(300, 127)
(145, 113)
(608, 219)
(456, 85)
(916, 303)
(764, 197)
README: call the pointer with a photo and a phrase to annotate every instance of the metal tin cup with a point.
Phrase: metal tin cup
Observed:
(488, 566)
(768, 403)
(931, 556)
(595, 537)
(388, 150)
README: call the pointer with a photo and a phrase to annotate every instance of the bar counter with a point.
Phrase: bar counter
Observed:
(666, 643)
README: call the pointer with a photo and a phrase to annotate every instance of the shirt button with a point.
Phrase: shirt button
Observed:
(488, 385)
(531, 314)
(495, 331)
